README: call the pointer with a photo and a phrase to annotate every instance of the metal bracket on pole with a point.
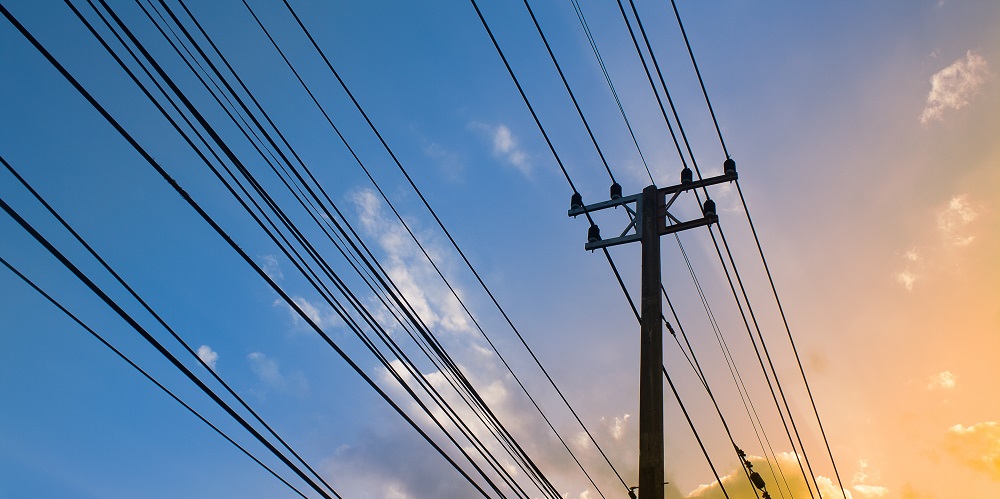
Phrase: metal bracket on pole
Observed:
(666, 222)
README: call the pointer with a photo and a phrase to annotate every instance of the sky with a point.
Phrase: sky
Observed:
(865, 140)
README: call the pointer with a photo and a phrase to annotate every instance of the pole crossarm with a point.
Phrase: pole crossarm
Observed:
(666, 222)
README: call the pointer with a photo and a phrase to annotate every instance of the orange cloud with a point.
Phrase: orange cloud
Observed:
(977, 446)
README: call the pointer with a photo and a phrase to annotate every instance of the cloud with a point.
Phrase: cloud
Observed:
(410, 270)
(322, 315)
(270, 267)
(943, 380)
(268, 371)
(871, 490)
(617, 426)
(449, 161)
(956, 216)
(862, 476)
(907, 279)
(977, 446)
(953, 86)
(505, 146)
(208, 356)
(739, 487)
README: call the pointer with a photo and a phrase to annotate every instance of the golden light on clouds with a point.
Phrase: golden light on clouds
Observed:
(944, 380)
(977, 446)
(784, 479)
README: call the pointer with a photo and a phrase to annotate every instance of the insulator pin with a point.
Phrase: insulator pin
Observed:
(686, 176)
(709, 208)
(616, 191)
(593, 234)
(729, 167)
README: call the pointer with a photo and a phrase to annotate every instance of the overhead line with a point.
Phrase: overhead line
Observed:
(145, 374)
(604, 69)
(298, 236)
(145, 155)
(700, 80)
(152, 341)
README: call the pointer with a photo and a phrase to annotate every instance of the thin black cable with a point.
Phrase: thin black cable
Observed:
(610, 260)
(336, 306)
(666, 91)
(697, 170)
(652, 85)
(695, 431)
(291, 303)
(767, 378)
(767, 354)
(299, 237)
(572, 97)
(788, 330)
(700, 80)
(680, 402)
(760, 250)
(398, 216)
(152, 341)
(541, 128)
(315, 255)
(748, 405)
(607, 76)
(166, 390)
(423, 199)
(149, 309)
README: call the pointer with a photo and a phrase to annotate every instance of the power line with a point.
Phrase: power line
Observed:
(152, 341)
(284, 296)
(145, 374)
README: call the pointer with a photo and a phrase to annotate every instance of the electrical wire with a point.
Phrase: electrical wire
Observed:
(293, 152)
(284, 296)
(145, 374)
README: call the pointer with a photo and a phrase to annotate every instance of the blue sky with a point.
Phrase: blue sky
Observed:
(865, 135)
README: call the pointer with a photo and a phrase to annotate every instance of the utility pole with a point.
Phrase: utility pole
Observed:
(649, 219)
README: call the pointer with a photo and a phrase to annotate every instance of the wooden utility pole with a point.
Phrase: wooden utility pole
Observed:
(648, 220)
(650, 352)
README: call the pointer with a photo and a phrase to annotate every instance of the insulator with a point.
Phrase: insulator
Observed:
(593, 234)
(576, 202)
(766, 495)
(729, 167)
(616, 191)
(686, 176)
(709, 208)
(757, 480)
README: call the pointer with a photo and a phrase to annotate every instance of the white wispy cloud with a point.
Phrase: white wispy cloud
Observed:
(270, 266)
(322, 314)
(977, 446)
(943, 380)
(505, 146)
(269, 372)
(409, 269)
(954, 86)
(208, 356)
(954, 218)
